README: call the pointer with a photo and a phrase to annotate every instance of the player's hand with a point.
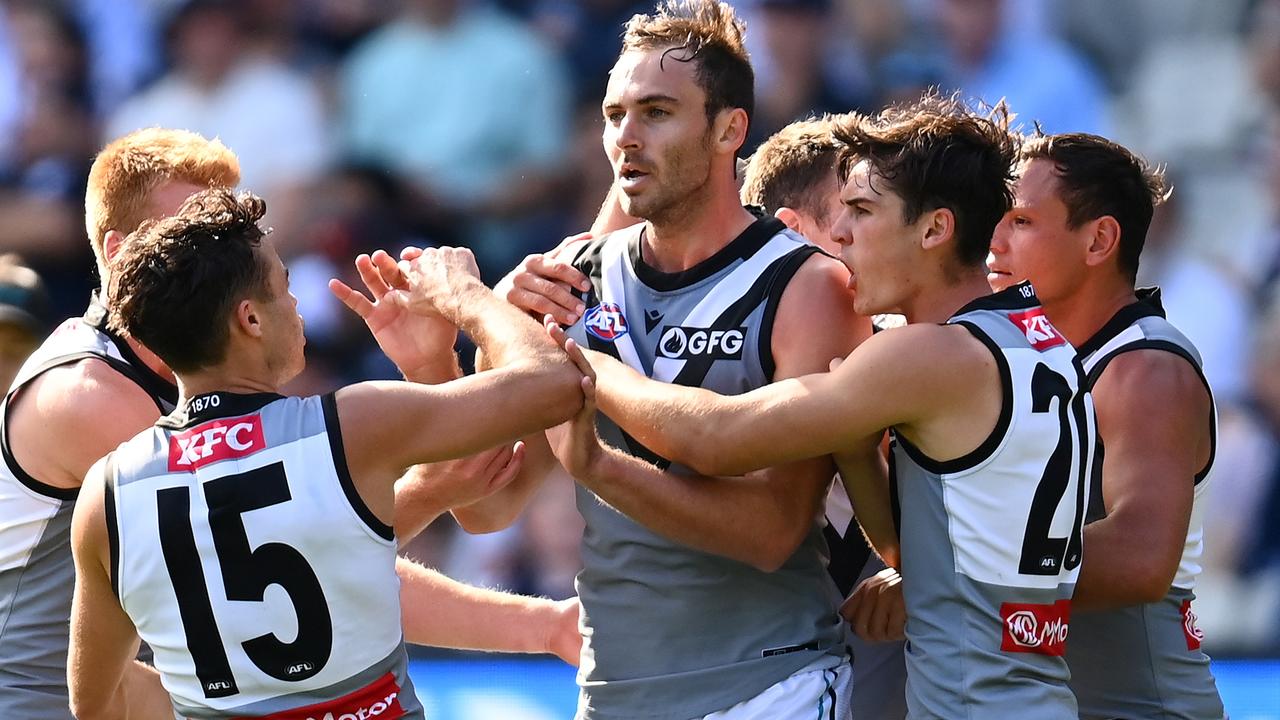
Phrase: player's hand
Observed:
(876, 609)
(409, 339)
(565, 641)
(544, 284)
(438, 280)
(428, 490)
(575, 442)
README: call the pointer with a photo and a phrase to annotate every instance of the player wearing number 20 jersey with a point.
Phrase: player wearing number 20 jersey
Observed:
(251, 477)
(991, 542)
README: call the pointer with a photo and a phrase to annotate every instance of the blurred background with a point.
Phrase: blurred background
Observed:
(382, 123)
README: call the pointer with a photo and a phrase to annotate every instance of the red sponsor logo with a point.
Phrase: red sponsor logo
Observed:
(1032, 628)
(380, 700)
(1189, 628)
(1039, 331)
(214, 441)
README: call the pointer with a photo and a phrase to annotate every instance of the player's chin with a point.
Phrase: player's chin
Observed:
(1000, 280)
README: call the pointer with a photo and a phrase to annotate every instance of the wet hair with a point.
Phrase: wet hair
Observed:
(1097, 177)
(938, 153)
(709, 33)
(178, 279)
(790, 167)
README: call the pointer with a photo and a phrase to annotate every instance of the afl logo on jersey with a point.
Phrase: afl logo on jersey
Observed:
(1039, 331)
(606, 322)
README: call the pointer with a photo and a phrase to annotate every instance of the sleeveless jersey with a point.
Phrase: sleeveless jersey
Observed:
(991, 542)
(251, 566)
(1145, 660)
(672, 632)
(36, 571)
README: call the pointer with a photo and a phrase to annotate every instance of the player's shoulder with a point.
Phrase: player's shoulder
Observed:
(85, 394)
(1148, 374)
(821, 281)
(943, 351)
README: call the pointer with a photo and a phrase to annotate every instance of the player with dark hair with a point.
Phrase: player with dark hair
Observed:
(1083, 205)
(181, 531)
(992, 429)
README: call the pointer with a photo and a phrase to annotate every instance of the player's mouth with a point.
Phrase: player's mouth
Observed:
(631, 176)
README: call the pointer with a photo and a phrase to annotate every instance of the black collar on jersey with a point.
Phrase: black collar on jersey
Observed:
(747, 243)
(96, 317)
(1016, 297)
(213, 405)
(1147, 305)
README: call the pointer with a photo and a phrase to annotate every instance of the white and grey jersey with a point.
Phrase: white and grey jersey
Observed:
(36, 572)
(1145, 661)
(248, 561)
(672, 632)
(991, 541)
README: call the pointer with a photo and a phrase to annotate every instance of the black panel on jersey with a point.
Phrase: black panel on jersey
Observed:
(135, 369)
(988, 446)
(791, 264)
(1017, 297)
(228, 404)
(113, 530)
(329, 403)
(849, 554)
(747, 243)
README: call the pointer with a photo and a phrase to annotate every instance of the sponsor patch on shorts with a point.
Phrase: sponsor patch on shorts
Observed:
(1033, 628)
(1190, 629)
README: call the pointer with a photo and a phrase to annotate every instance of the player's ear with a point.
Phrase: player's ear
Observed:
(112, 243)
(789, 217)
(939, 227)
(247, 319)
(1103, 240)
(730, 130)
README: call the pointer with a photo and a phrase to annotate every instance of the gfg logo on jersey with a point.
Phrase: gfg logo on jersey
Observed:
(1189, 627)
(216, 440)
(606, 322)
(379, 700)
(684, 343)
(1039, 331)
(1032, 628)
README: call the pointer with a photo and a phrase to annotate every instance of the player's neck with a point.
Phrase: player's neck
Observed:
(1080, 315)
(150, 359)
(679, 243)
(224, 378)
(936, 302)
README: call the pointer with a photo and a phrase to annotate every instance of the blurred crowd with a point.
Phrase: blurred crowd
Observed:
(384, 123)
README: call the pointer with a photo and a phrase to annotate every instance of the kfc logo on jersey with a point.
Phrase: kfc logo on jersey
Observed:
(380, 701)
(606, 321)
(1039, 331)
(684, 343)
(1033, 628)
(213, 441)
(1192, 631)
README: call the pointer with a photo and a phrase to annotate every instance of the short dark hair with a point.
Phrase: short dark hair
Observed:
(707, 32)
(938, 153)
(1098, 177)
(176, 280)
(788, 168)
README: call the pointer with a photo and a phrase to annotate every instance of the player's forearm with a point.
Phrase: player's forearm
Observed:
(1126, 562)
(611, 216)
(414, 509)
(145, 696)
(500, 331)
(439, 368)
(753, 519)
(865, 478)
(441, 612)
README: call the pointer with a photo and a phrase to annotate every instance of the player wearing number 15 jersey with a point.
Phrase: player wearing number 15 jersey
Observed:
(246, 537)
(985, 400)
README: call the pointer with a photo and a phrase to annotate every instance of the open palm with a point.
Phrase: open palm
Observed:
(409, 339)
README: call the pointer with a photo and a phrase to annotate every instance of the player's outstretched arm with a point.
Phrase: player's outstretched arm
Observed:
(441, 612)
(102, 676)
(1131, 556)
